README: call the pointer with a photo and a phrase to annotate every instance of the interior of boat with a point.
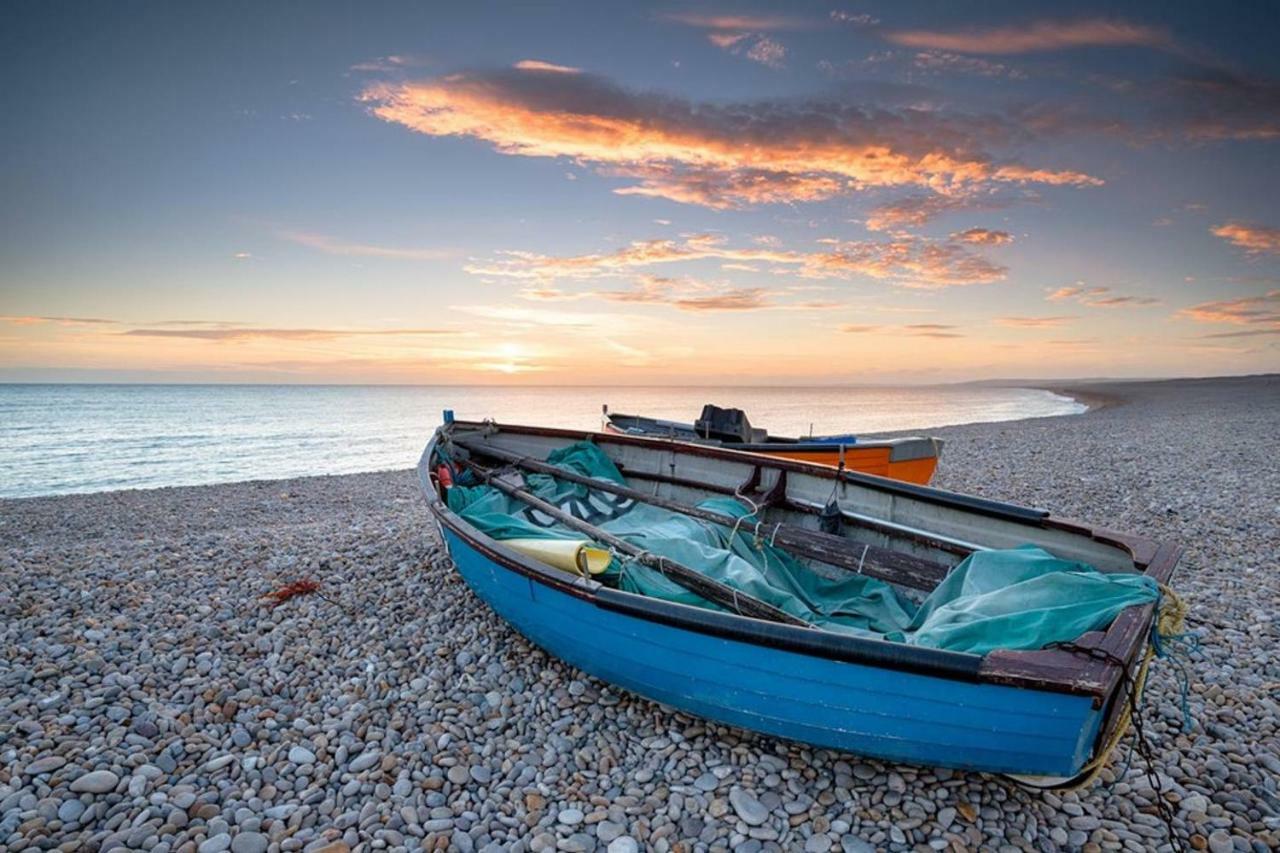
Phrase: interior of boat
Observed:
(832, 525)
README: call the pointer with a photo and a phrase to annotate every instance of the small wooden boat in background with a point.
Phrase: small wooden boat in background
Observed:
(1044, 711)
(912, 459)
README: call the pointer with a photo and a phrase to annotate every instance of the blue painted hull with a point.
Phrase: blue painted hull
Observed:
(857, 708)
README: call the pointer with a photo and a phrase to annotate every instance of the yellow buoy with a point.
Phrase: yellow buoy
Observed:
(577, 556)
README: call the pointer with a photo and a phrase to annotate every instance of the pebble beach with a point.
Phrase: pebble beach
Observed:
(150, 699)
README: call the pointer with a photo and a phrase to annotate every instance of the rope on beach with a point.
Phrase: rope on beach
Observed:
(1168, 627)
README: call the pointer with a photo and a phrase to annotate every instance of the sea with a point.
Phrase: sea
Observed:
(61, 439)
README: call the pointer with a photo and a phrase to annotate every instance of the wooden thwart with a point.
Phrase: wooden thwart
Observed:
(872, 560)
(699, 584)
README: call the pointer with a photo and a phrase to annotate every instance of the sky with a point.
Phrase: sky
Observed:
(596, 193)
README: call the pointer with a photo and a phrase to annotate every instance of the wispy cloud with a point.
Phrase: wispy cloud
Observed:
(1034, 322)
(1098, 297)
(244, 333)
(335, 246)
(716, 155)
(856, 19)
(1037, 36)
(1260, 313)
(735, 21)
(768, 52)
(539, 65)
(394, 62)
(983, 237)
(684, 293)
(1253, 238)
(942, 62)
(21, 320)
(754, 46)
(1223, 105)
(905, 260)
(914, 211)
(931, 330)
(915, 330)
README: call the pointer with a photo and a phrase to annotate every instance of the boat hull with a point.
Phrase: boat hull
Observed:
(913, 463)
(866, 460)
(868, 710)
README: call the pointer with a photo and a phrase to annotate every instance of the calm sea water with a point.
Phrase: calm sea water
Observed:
(86, 438)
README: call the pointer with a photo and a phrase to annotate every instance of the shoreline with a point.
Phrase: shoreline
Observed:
(1096, 396)
(153, 701)
(1062, 391)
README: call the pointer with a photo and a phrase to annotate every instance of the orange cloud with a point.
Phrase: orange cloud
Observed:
(1036, 37)
(1260, 312)
(539, 65)
(726, 41)
(915, 330)
(767, 23)
(709, 154)
(905, 260)
(251, 333)
(686, 294)
(1254, 239)
(914, 211)
(1033, 322)
(1098, 297)
(931, 330)
(983, 237)
(334, 246)
(17, 320)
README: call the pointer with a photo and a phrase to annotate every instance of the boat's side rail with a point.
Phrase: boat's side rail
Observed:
(824, 644)
(970, 519)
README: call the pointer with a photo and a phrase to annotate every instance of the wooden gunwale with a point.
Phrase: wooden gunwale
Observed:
(971, 503)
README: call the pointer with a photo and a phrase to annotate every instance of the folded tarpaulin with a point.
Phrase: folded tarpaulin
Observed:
(1020, 598)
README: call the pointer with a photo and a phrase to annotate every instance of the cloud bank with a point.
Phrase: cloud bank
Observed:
(711, 154)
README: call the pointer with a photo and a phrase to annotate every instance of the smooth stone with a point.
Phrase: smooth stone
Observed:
(96, 782)
(363, 762)
(301, 755)
(1220, 842)
(215, 843)
(47, 764)
(70, 811)
(624, 844)
(747, 807)
(250, 842)
(570, 817)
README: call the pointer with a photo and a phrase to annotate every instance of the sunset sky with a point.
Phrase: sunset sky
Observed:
(677, 193)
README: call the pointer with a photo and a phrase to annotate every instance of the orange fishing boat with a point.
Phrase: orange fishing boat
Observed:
(912, 459)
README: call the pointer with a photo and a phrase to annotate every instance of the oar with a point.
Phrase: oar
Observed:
(867, 559)
(697, 583)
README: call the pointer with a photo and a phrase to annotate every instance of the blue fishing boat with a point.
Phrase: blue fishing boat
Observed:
(615, 569)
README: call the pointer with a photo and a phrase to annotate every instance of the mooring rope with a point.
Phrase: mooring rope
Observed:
(1167, 627)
